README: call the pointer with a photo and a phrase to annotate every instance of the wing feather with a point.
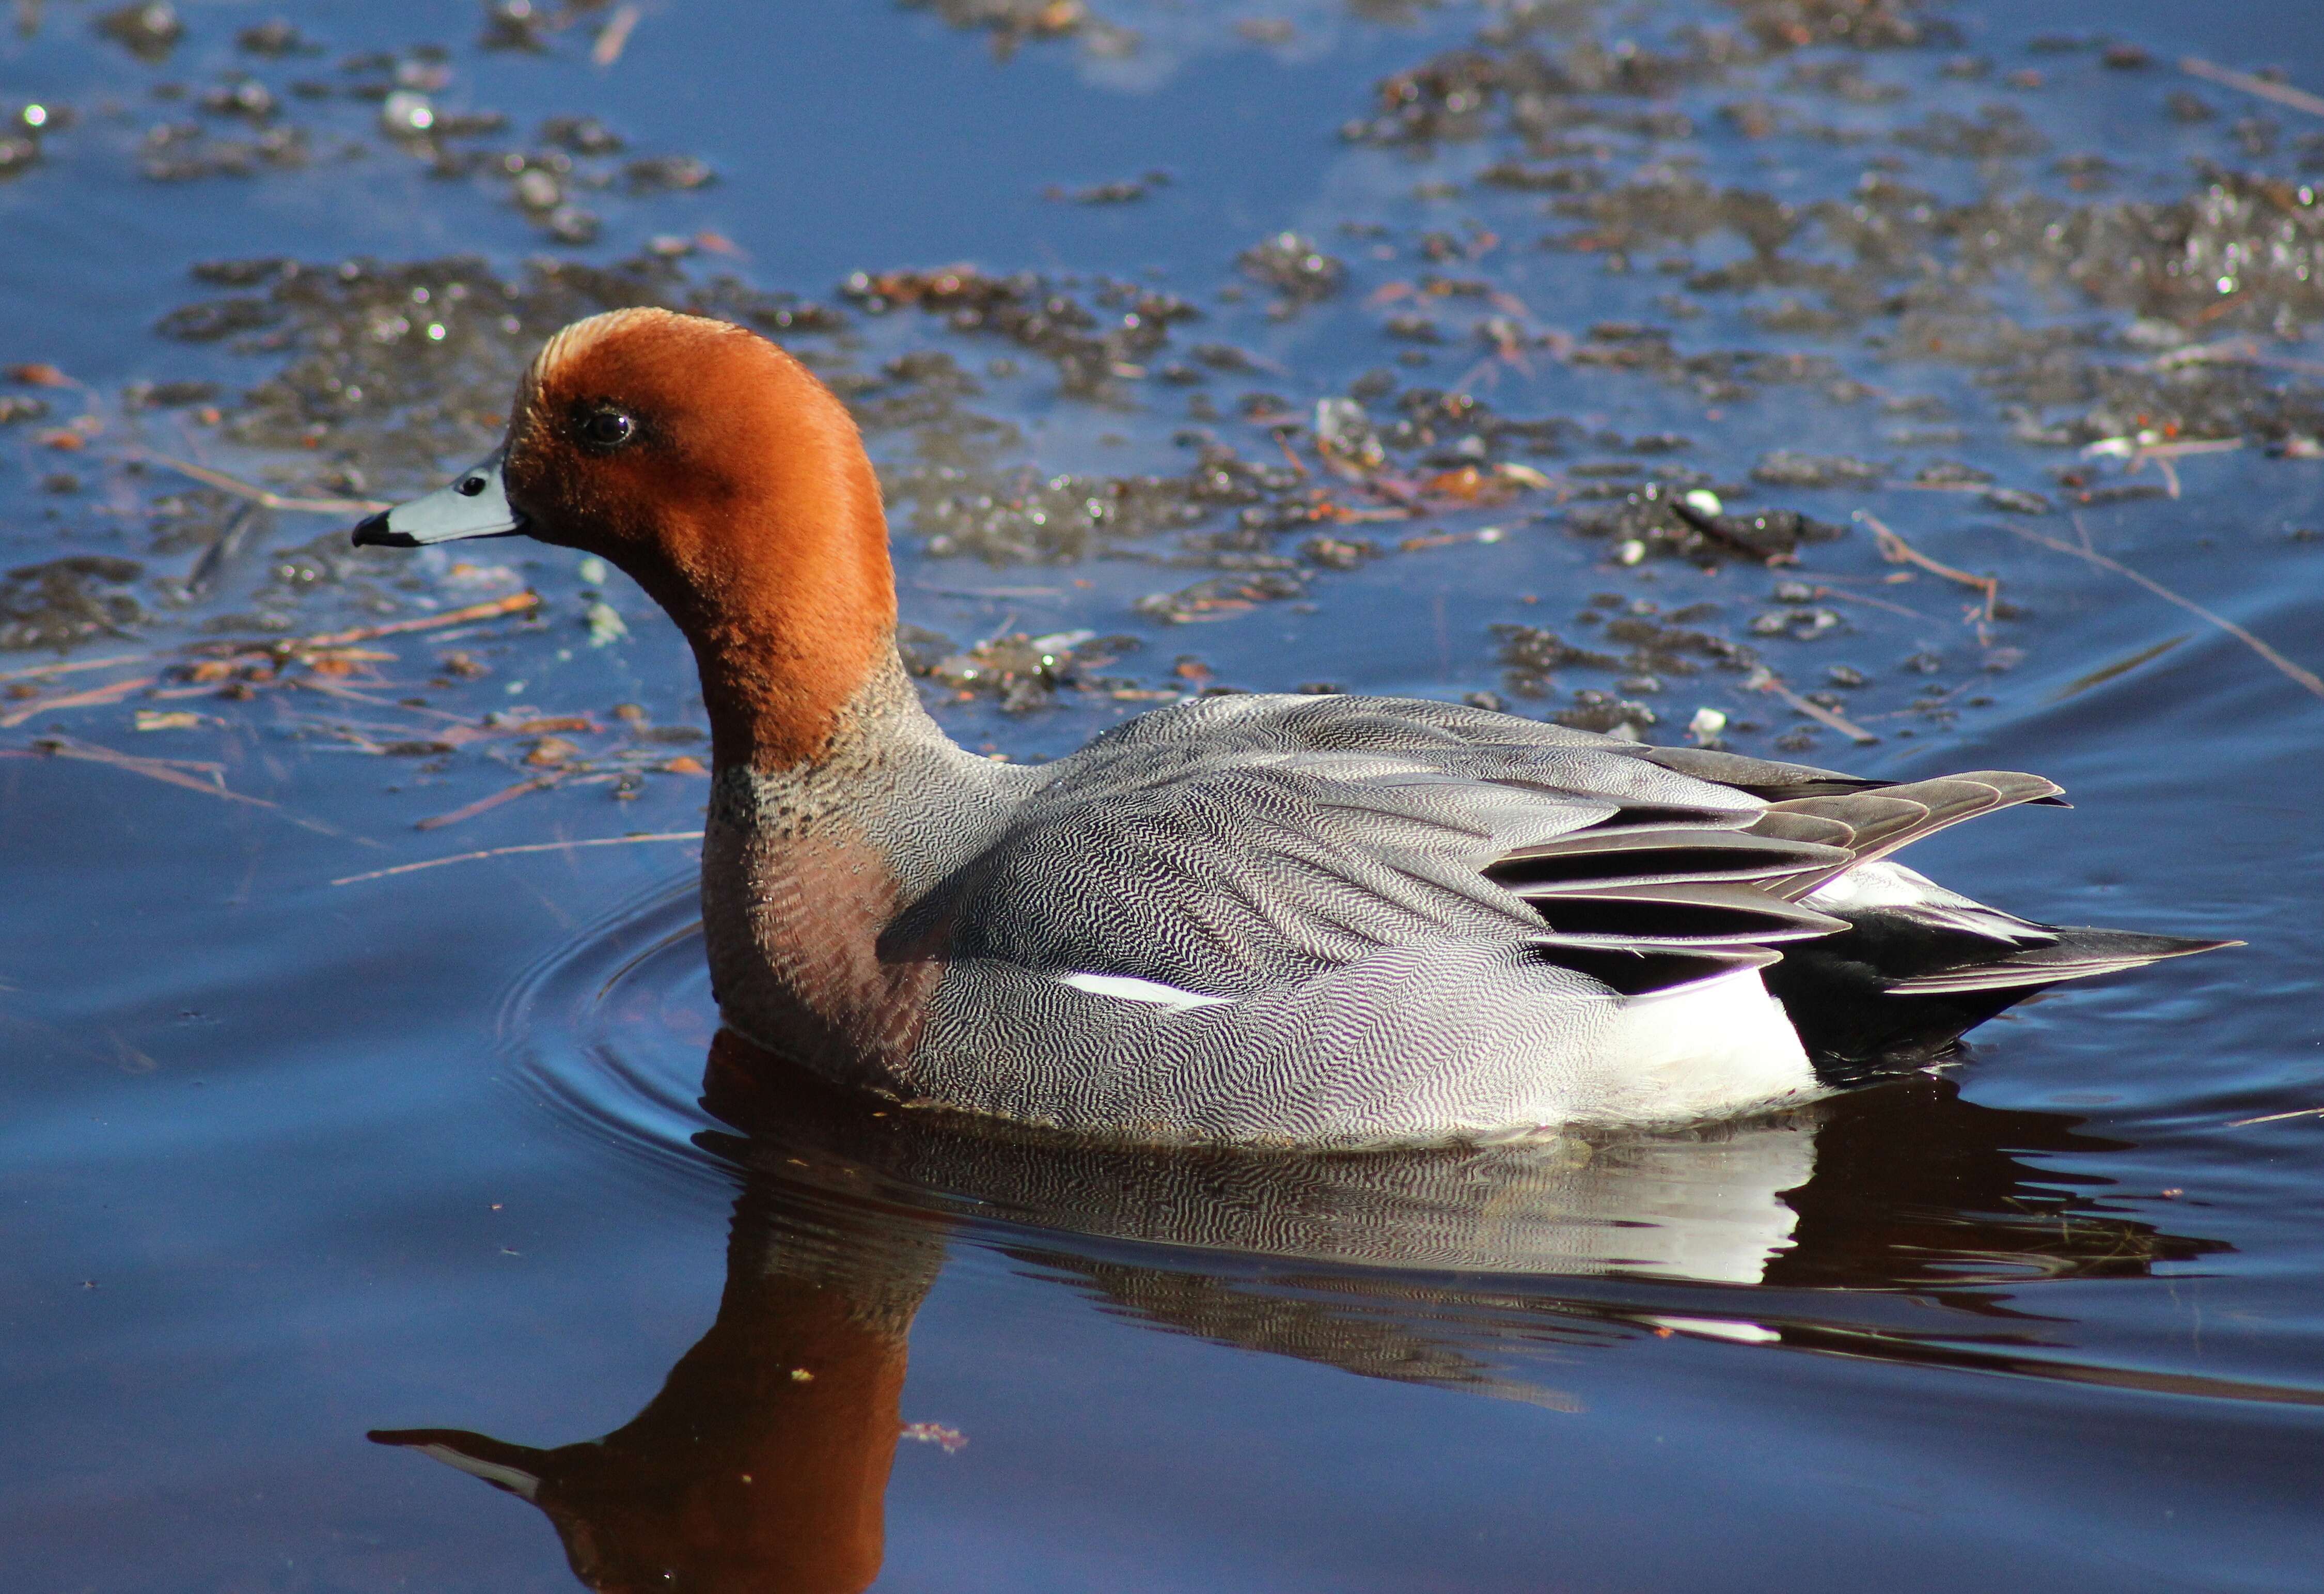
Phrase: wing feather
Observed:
(1229, 843)
(1880, 822)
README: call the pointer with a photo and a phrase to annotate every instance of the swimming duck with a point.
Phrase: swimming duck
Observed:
(1324, 921)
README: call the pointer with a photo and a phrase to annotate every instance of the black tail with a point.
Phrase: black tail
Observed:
(1897, 990)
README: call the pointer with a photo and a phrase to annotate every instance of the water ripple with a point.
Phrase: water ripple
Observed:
(1906, 1187)
(608, 1031)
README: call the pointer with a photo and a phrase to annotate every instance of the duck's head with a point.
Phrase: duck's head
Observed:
(715, 470)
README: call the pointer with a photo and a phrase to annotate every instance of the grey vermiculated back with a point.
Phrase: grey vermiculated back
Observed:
(1320, 862)
(1337, 920)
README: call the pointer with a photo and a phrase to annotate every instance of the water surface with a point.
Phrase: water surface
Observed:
(456, 1155)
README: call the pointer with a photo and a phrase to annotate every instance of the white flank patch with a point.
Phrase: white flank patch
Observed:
(1130, 989)
(1701, 1051)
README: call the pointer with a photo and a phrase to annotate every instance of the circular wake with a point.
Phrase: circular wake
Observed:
(609, 1032)
(1906, 1186)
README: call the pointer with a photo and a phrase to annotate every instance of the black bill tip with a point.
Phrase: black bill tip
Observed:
(372, 532)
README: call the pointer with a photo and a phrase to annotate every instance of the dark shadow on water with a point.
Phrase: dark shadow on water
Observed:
(1917, 1188)
(763, 1461)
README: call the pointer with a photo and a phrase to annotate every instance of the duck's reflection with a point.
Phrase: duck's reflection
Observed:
(762, 1463)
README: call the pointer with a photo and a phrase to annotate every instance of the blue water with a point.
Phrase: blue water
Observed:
(290, 1161)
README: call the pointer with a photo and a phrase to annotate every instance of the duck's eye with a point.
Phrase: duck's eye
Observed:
(607, 428)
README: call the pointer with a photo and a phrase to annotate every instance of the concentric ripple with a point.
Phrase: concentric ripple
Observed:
(610, 1033)
(1832, 1229)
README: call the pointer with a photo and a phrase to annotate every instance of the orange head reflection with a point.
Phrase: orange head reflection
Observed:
(763, 1461)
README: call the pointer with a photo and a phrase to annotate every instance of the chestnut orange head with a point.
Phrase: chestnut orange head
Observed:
(715, 469)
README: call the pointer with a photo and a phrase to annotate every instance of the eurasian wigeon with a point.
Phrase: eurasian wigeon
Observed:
(1313, 920)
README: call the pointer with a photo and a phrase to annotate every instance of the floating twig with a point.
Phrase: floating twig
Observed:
(2214, 310)
(2136, 451)
(337, 689)
(1897, 552)
(1763, 679)
(1709, 526)
(186, 772)
(2305, 678)
(491, 608)
(62, 667)
(1848, 597)
(112, 692)
(1342, 515)
(1487, 370)
(264, 495)
(2121, 667)
(614, 36)
(181, 772)
(2276, 1116)
(1405, 494)
(486, 804)
(985, 593)
(2234, 351)
(2283, 94)
(1920, 704)
(516, 603)
(609, 841)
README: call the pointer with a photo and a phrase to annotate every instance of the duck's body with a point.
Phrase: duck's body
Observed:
(1316, 920)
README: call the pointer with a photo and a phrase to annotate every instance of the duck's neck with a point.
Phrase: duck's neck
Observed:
(785, 651)
(884, 769)
(836, 801)
(777, 575)
(806, 870)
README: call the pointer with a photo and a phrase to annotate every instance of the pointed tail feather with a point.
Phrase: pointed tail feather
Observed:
(1899, 988)
(2079, 953)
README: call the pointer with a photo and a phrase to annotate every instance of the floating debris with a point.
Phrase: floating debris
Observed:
(1784, 468)
(1291, 264)
(375, 376)
(606, 625)
(60, 602)
(166, 719)
(1094, 346)
(1024, 673)
(1125, 191)
(1221, 598)
(1012, 22)
(1669, 519)
(149, 29)
(274, 40)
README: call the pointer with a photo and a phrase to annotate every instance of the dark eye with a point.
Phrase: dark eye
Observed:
(607, 428)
